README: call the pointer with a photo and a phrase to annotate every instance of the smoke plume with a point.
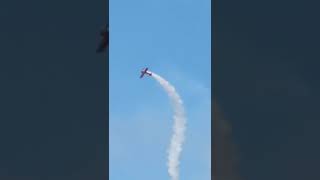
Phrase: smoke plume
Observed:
(225, 151)
(179, 127)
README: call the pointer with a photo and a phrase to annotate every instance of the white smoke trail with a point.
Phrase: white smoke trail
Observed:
(179, 127)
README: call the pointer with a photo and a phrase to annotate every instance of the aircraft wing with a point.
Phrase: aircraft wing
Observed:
(104, 42)
(101, 48)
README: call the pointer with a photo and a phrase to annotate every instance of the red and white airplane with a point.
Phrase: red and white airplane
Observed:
(145, 71)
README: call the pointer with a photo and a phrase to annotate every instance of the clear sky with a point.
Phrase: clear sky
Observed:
(173, 39)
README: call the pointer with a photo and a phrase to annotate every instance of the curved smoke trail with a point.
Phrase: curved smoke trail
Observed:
(179, 127)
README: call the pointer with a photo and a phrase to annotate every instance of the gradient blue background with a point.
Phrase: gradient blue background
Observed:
(173, 39)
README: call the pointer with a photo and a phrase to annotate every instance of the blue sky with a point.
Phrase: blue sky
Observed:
(173, 39)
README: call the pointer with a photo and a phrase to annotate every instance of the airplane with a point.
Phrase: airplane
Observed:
(145, 71)
(105, 40)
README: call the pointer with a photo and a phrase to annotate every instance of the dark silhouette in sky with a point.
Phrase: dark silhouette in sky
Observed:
(224, 151)
(266, 81)
(54, 91)
(104, 41)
